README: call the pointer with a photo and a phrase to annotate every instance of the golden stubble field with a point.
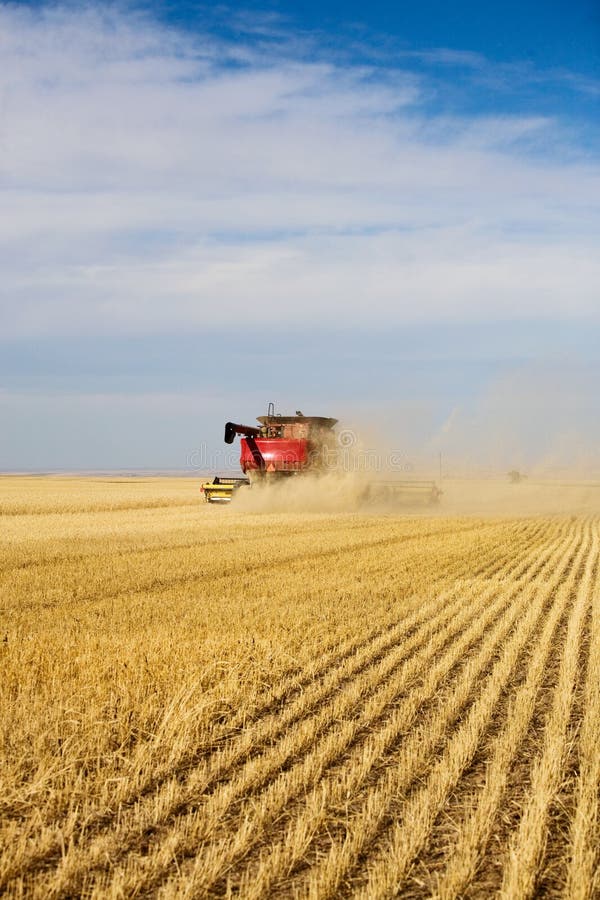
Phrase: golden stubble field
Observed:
(205, 702)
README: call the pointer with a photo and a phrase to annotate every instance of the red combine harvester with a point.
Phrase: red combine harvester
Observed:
(284, 446)
(280, 447)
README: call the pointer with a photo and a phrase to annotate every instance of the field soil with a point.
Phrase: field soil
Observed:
(246, 701)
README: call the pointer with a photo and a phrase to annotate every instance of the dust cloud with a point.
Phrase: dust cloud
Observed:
(482, 497)
(542, 420)
(327, 493)
(498, 497)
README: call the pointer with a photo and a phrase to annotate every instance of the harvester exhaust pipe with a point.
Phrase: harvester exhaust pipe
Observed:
(231, 429)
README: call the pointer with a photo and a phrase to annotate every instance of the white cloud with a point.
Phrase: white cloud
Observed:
(447, 57)
(150, 180)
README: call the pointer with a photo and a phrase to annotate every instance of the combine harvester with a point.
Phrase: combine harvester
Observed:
(290, 446)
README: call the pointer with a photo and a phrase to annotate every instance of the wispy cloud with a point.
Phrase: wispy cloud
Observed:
(446, 57)
(155, 179)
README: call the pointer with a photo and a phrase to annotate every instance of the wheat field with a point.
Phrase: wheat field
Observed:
(208, 702)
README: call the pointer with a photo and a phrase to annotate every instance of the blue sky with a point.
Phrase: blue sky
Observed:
(386, 212)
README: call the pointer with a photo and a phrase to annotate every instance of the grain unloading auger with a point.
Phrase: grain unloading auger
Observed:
(291, 446)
